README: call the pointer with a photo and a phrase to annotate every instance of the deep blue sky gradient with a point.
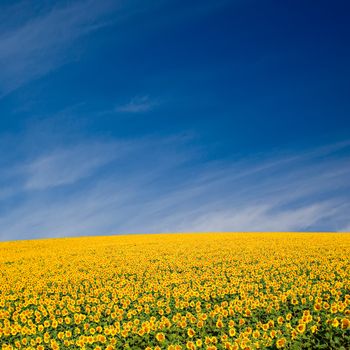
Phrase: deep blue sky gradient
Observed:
(226, 81)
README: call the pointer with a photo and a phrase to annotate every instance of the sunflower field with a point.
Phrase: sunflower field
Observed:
(177, 291)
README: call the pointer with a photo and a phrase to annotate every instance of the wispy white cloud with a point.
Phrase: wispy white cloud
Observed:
(67, 166)
(37, 37)
(260, 218)
(138, 104)
(42, 43)
(157, 185)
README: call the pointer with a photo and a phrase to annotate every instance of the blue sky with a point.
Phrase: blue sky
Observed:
(171, 116)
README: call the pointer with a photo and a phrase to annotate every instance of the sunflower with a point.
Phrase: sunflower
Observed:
(232, 332)
(191, 332)
(301, 328)
(335, 323)
(219, 324)
(199, 342)
(345, 323)
(281, 343)
(256, 334)
(190, 345)
(160, 337)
